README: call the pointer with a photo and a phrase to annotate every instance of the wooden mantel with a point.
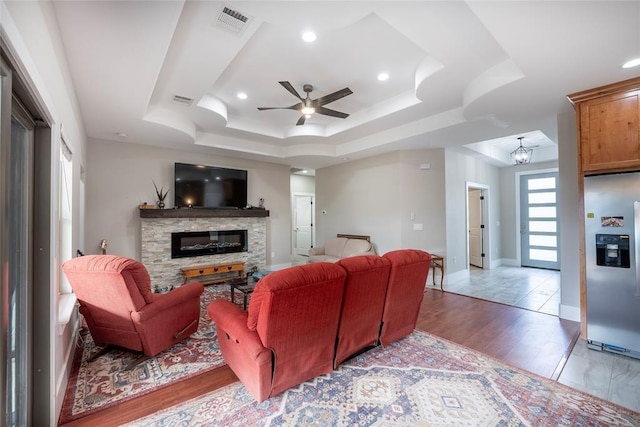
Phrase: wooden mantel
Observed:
(203, 213)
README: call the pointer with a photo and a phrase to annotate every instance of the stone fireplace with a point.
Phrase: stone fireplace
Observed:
(157, 226)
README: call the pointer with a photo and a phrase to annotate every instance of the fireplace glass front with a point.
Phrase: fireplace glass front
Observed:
(199, 243)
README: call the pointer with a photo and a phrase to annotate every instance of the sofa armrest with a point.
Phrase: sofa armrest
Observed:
(319, 250)
(164, 302)
(232, 321)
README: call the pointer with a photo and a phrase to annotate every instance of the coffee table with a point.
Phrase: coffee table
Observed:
(245, 286)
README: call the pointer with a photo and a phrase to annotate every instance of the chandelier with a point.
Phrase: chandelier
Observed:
(521, 155)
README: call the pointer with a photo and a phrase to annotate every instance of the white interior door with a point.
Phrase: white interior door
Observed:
(303, 224)
(475, 228)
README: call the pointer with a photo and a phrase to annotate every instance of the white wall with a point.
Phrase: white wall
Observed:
(120, 177)
(30, 32)
(460, 170)
(376, 196)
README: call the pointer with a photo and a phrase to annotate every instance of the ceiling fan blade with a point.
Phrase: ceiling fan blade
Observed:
(333, 113)
(291, 90)
(332, 97)
(297, 106)
(301, 120)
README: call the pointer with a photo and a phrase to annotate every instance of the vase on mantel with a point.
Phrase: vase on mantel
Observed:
(160, 204)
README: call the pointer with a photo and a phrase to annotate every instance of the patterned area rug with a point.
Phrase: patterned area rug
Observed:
(104, 382)
(420, 380)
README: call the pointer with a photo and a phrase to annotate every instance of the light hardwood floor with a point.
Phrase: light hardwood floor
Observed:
(533, 341)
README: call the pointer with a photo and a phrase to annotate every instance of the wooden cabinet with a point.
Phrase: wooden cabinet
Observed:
(609, 127)
(209, 274)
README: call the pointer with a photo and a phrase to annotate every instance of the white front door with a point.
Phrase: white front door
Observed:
(475, 227)
(303, 224)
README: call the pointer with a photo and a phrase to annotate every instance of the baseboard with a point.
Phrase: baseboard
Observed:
(569, 312)
(511, 262)
(495, 263)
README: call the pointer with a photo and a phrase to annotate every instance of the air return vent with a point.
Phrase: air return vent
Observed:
(182, 100)
(233, 20)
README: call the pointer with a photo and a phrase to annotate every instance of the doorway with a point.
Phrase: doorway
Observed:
(303, 219)
(539, 225)
(475, 228)
(477, 241)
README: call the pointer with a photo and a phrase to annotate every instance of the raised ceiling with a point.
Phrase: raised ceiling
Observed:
(460, 72)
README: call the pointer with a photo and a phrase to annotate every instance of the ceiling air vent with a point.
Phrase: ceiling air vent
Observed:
(182, 100)
(233, 21)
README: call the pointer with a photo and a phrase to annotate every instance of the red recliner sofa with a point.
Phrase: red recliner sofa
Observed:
(120, 309)
(288, 334)
(409, 271)
(362, 304)
(303, 321)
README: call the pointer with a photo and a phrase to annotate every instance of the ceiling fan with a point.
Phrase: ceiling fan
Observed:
(308, 106)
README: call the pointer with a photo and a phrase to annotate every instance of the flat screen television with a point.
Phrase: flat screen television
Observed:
(201, 186)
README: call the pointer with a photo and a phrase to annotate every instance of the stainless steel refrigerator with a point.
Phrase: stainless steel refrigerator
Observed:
(612, 237)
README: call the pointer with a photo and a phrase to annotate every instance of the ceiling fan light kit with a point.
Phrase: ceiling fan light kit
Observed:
(307, 106)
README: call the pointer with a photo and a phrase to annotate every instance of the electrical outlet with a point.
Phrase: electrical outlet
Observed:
(455, 260)
(273, 254)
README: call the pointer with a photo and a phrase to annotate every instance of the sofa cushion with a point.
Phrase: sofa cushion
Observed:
(335, 247)
(355, 247)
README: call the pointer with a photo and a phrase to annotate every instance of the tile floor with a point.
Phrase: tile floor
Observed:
(606, 375)
(531, 288)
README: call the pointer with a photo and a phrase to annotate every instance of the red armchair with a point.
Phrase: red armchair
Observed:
(409, 271)
(288, 334)
(362, 304)
(120, 309)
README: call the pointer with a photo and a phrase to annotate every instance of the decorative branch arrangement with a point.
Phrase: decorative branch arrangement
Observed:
(161, 194)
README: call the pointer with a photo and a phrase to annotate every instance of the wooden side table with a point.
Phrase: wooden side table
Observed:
(210, 274)
(437, 262)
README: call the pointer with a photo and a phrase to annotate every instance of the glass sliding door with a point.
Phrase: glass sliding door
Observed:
(16, 198)
(20, 199)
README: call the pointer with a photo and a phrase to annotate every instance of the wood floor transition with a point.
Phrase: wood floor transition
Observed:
(537, 342)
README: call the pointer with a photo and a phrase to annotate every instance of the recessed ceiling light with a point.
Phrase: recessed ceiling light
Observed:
(305, 171)
(630, 64)
(121, 135)
(242, 95)
(344, 158)
(309, 36)
(383, 76)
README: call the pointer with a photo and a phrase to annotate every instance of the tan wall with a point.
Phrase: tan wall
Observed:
(120, 177)
(303, 184)
(376, 196)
